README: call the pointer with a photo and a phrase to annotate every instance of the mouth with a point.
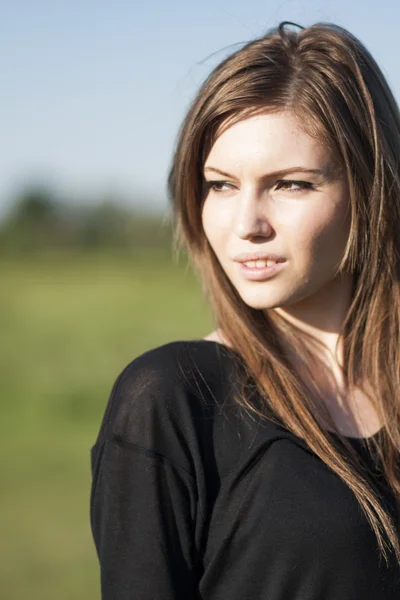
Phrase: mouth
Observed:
(249, 257)
(260, 270)
(259, 263)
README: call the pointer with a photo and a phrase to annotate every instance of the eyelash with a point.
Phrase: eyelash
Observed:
(303, 185)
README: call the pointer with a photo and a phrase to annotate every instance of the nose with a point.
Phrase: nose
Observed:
(251, 220)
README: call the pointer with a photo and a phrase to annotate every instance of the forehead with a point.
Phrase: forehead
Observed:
(272, 140)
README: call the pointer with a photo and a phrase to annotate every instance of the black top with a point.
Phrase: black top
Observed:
(192, 499)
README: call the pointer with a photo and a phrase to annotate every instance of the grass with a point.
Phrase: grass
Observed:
(69, 324)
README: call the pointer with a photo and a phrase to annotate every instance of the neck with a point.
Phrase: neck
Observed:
(322, 316)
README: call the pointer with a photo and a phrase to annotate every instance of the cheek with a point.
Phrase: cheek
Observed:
(216, 219)
(321, 234)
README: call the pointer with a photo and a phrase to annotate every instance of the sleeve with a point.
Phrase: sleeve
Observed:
(142, 524)
(143, 504)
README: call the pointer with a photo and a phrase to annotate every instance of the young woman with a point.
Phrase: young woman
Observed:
(262, 462)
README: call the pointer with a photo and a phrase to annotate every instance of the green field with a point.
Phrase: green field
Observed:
(69, 324)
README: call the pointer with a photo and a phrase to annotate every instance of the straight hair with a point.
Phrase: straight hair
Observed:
(329, 81)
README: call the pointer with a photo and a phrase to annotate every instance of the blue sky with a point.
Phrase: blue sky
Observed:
(93, 93)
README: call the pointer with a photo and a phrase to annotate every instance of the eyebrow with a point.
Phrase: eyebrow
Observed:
(324, 172)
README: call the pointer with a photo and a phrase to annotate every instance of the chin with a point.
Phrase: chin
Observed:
(261, 301)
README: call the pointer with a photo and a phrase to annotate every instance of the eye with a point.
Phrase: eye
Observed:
(216, 185)
(300, 185)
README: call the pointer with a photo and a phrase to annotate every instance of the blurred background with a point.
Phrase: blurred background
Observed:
(92, 96)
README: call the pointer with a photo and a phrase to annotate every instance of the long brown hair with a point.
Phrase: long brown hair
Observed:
(331, 83)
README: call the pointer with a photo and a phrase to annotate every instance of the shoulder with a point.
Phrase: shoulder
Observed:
(175, 365)
(170, 387)
(177, 401)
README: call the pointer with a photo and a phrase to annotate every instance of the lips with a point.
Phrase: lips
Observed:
(260, 273)
(246, 257)
(259, 263)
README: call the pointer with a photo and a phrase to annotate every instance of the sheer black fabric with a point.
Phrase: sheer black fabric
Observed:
(191, 499)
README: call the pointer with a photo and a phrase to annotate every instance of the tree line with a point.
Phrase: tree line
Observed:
(39, 221)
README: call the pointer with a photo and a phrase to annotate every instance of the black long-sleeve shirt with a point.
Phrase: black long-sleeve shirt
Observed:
(192, 499)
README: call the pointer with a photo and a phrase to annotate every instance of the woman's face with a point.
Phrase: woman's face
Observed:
(276, 191)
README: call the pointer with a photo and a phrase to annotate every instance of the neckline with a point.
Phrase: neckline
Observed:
(338, 436)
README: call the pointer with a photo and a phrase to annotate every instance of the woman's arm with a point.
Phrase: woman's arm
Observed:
(143, 510)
